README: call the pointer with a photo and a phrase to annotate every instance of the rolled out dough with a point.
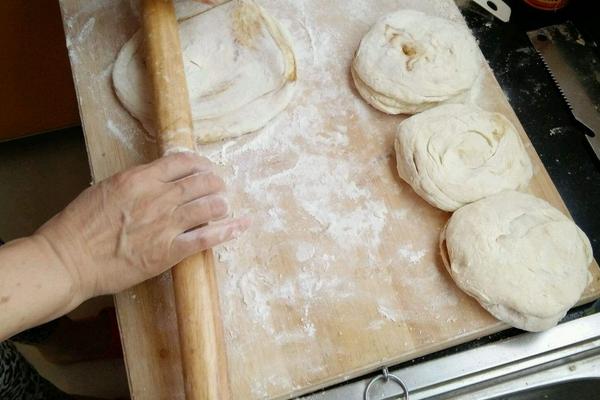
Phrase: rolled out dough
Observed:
(454, 154)
(410, 61)
(239, 65)
(519, 257)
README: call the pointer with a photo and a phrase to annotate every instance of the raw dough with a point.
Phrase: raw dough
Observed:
(519, 257)
(455, 154)
(410, 61)
(239, 65)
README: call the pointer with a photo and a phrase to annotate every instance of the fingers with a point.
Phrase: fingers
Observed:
(208, 236)
(196, 186)
(201, 211)
(179, 165)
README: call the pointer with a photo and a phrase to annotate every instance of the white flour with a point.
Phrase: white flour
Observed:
(392, 314)
(305, 251)
(557, 130)
(86, 29)
(413, 257)
(121, 135)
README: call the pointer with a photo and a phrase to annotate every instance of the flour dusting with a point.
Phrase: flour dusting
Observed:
(305, 251)
(388, 313)
(86, 29)
(121, 135)
(412, 256)
(557, 130)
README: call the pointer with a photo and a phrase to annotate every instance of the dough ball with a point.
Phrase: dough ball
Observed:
(455, 154)
(410, 61)
(239, 65)
(519, 257)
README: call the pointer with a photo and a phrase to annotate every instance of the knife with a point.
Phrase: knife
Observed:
(575, 68)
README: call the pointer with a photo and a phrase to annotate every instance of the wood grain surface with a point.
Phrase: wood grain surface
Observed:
(340, 273)
(201, 339)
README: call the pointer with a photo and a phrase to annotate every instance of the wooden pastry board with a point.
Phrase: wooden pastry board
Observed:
(340, 273)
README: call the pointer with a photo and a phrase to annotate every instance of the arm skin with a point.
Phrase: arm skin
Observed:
(116, 234)
(35, 287)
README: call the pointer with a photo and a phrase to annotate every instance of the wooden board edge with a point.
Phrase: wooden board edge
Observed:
(374, 367)
(77, 94)
(127, 358)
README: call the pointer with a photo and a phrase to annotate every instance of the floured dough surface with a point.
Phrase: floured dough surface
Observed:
(239, 65)
(410, 61)
(522, 259)
(454, 154)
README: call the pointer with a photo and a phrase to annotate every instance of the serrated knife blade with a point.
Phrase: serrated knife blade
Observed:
(574, 66)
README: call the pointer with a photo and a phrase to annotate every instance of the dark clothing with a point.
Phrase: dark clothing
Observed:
(19, 380)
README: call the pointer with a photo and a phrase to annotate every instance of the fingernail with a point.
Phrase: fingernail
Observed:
(236, 233)
(227, 206)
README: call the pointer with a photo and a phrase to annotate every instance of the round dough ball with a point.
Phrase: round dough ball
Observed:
(410, 61)
(239, 65)
(519, 257)
(455, 154)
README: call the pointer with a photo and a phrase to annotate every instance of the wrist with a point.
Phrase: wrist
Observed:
(36, 285)
(73, 286)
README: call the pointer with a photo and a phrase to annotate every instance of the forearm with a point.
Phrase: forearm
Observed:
(36, 286)
(116, 234)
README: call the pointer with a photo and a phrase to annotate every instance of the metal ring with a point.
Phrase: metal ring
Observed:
(386, 377)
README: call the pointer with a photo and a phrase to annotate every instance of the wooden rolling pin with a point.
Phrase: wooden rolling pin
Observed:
(196, 296)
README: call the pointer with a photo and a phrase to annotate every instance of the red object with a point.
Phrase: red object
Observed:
(547, 5)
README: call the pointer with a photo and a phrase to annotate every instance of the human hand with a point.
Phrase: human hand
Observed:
(140, 222)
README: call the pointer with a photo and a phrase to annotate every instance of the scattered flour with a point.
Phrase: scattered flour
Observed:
(305, 251)
(86, 29)
(274, 221)
(390, 313)
(253, 286)
(376, 324)
(412, 256)
(400, 213)
(121, 136)
(525, 50)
